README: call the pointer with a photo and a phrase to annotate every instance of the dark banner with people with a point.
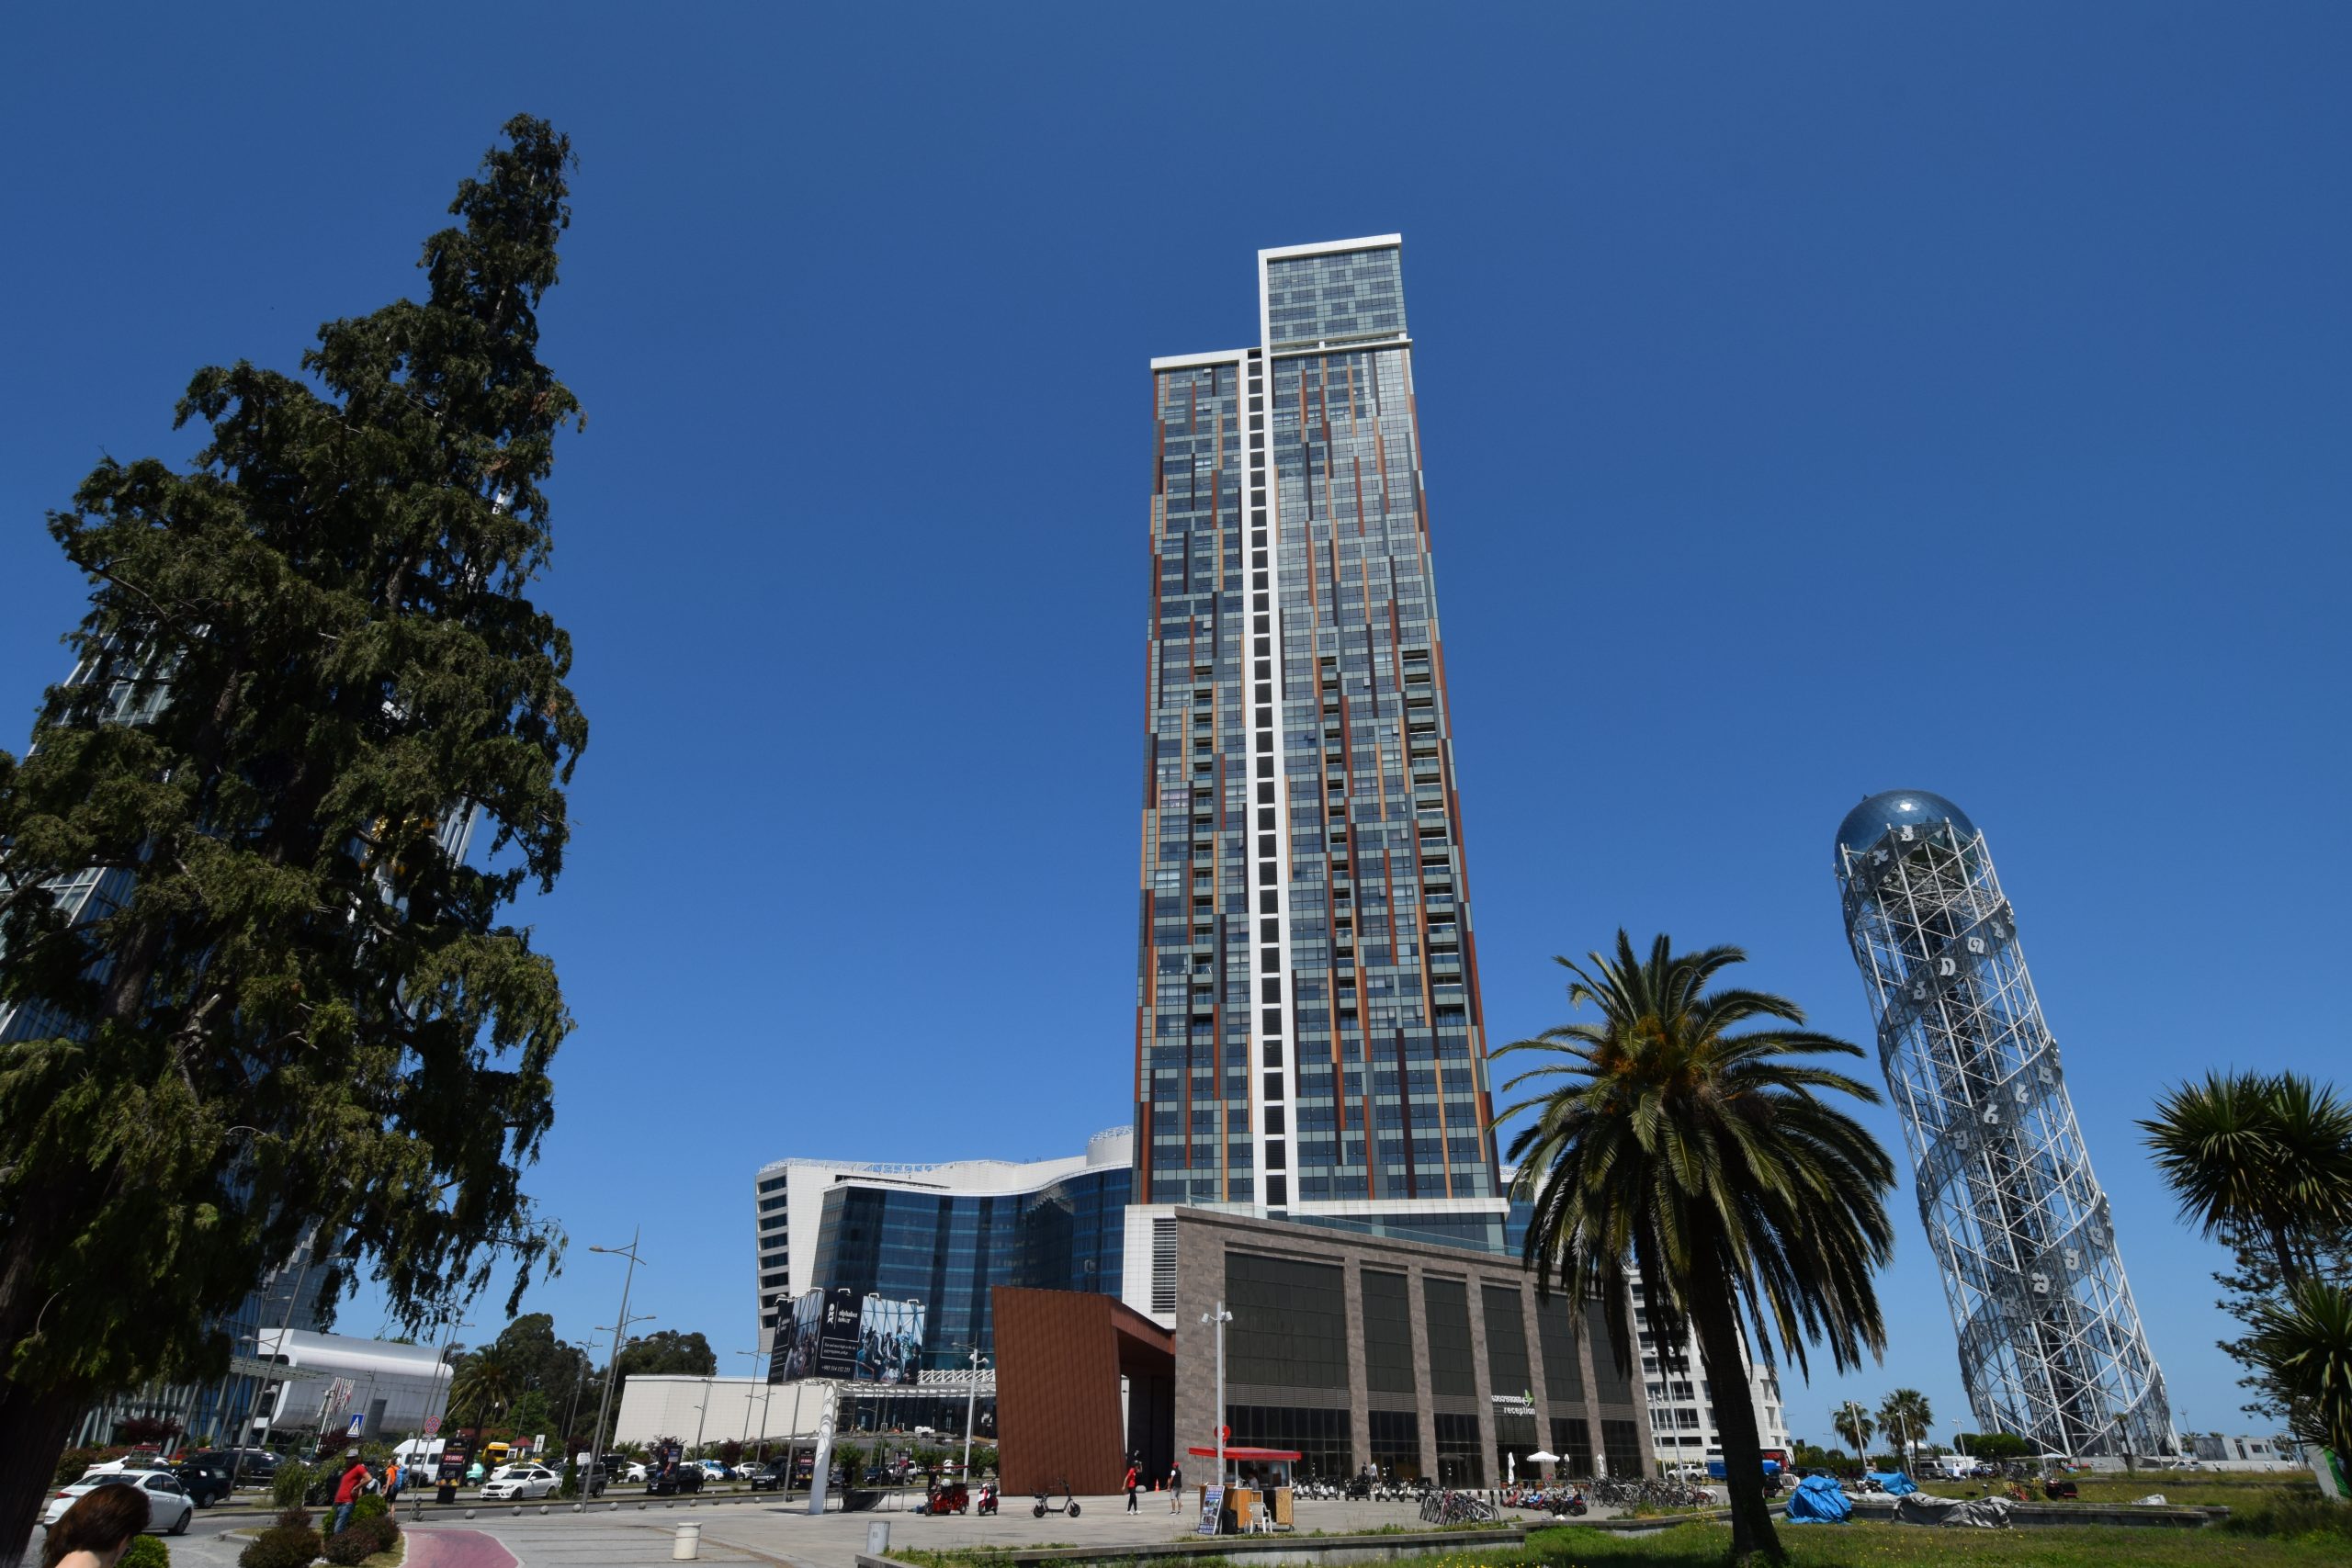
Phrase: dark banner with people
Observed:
(833, 1334)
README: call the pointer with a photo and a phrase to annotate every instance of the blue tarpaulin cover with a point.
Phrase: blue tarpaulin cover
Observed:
(1817, 1500)
(1896, 1484)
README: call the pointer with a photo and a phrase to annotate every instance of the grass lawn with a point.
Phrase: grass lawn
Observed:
(1889, 1546)
(2238, 1491)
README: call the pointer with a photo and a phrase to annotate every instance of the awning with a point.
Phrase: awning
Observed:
(1249, 1453)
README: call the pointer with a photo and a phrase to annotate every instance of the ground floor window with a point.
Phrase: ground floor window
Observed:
(1621, 1446)
(1396, 1443)
(1572, 1440)
(1321, 1436)
(1461, 1457)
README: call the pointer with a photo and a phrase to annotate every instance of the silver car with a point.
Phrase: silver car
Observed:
(169, 1508)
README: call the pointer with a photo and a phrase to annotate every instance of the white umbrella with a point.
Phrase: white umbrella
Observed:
(1542, 1456)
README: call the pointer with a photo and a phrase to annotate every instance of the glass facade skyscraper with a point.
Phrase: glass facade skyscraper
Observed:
(1308, 1032)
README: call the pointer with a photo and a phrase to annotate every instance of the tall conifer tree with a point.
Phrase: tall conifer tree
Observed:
(306, 660)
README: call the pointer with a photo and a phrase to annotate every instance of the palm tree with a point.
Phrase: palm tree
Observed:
(2307, 1344)
(2259, 1155)
(1856, 1425)
(2263, 1161)
(1686, 1142)
(482, 1385)
(1906, 1415)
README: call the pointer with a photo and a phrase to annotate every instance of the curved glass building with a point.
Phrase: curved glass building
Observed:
(943, 1235)
(2051, 1346)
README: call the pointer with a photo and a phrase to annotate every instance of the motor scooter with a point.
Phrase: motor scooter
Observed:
(987, 1501)
(1069, 1505)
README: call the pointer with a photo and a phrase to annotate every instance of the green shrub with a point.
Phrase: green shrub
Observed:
(281, 1546)
(295, 1518)
(293, 1479)
(74, 1461)
(145, 1551)
(348, 1549)
(361, 1540)
(370, 1505)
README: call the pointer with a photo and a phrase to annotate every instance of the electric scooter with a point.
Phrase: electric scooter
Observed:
(1069, 1505)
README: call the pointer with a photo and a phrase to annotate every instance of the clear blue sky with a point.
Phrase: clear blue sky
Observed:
(1815, 400)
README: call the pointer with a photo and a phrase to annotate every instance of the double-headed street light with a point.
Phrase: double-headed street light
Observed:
(620, 1327)
(572, 1415)
(971, 1403)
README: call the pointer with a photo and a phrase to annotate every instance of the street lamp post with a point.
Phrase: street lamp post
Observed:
(620, 1327)
(572, 1415)
(971, 1406)
(439, 1393)
(1220, 1317)
(702, 1416)
(747, 1404)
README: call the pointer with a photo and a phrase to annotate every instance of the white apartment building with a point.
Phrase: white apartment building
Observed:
(1683, 1427)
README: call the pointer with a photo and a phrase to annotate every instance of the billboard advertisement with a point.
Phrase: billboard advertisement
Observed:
(890, 1341)
(834, 1334)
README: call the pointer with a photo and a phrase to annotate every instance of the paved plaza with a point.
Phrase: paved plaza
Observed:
(772, 1532)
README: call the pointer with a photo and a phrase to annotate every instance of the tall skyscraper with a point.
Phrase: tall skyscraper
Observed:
(1308, 1037)
(2051, 1346)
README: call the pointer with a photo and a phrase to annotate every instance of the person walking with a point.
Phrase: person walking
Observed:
(1175, 1488)
(347, 1489)
(393, 1481)
(1134, 1475)
(96, 1530)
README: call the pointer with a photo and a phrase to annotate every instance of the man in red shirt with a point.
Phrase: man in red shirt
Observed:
(346, 1490)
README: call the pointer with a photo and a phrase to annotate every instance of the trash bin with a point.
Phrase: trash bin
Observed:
(877, 1538)
(685, 1543)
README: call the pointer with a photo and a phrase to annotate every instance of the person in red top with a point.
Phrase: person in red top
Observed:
(1132, 1478)
(346, 1490)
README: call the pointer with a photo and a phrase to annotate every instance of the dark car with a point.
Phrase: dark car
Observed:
(774, 1476)
(674, 1480)
(204, 1478)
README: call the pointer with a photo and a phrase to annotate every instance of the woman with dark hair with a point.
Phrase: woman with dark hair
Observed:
(96, 1530)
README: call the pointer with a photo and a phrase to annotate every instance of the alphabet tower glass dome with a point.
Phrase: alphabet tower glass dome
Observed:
(2051, 1346)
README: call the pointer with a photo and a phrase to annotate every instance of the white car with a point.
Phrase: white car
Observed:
(522, 1481)
(635, 1472)
(169, 1508)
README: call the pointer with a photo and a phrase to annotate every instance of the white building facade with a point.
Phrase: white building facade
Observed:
(391, 1390)
(656, 1405)
(1684, 1429)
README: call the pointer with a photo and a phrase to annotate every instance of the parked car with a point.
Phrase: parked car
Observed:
(169, 1508)
(207, 1482)
(715, 1470)
(522, 1481)
(676, 1480)
(774, 1476)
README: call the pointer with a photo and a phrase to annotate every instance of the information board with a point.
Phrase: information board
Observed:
(1212, 1508)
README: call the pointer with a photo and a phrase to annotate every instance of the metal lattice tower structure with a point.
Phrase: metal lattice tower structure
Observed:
(2051, 1346)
